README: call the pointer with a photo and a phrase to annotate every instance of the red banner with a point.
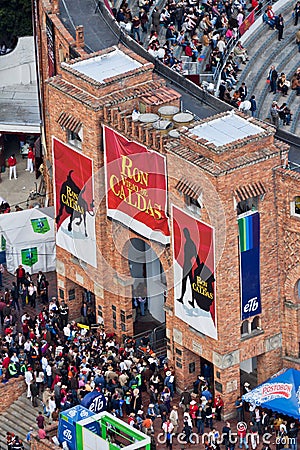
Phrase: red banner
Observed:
(194, 282)
(74, 202)
(247, 23)
(136, 185)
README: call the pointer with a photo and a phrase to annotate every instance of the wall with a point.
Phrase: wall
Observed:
(11, 391)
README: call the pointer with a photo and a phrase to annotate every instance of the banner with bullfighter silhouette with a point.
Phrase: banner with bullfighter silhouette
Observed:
(194, 268)
(74, 202)
(136, 186)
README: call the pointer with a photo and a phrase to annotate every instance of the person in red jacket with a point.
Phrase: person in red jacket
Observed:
(12, 164)
(30, 159)
(218, 405)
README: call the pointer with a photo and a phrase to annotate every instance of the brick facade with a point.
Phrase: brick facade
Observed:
(11, 391)
(219, 172)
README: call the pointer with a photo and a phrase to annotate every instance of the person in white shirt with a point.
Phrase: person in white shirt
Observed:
(28, 381)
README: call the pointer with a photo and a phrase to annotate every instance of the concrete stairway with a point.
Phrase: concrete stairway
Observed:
(265, 50)
(18, 419)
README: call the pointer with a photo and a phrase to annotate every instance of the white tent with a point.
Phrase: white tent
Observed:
(28, 239)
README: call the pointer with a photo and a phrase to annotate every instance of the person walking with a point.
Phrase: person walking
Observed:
(274, 114)
(142, 302)
(253, 105)
(20, 274)
(136, 28)
(298, 40)
(280, 27)
(296, 13)
(273, 75)
(12, 164)
(30, 158)
(168, 428)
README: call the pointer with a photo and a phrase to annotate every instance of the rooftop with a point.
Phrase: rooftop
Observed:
(101, 67)
(19, 107)
(225, 130)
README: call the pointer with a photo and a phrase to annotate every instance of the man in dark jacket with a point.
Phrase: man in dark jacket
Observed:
(155, 20)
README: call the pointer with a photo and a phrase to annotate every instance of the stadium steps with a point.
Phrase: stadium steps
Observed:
(18, 419)
(264, 49)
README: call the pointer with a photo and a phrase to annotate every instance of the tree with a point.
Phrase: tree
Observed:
(15, 20)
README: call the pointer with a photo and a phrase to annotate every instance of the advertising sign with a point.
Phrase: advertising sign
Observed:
(249, 243)
(29, 256)
(94, 401)
(40, 225)
(74, 202)
(194, 281)
(136, 186)
(50, 47)
(67, 424)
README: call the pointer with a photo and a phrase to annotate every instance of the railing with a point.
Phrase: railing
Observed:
(294, 166)
(157, 339)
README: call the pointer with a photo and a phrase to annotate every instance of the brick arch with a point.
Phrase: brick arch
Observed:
(290, 293)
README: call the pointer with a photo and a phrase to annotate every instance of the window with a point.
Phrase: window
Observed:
(245, 328)
(75, 138)
(114, 316)
(255, 324)
(250, 204)
(61, 293)
(247, 197)
(123, 320)
(71, 294)
(297, 289)
(100, 313)
(250, 326)
(295, 206)
(192, 367)
(193, 204)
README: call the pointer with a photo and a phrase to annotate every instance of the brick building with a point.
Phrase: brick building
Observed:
(228, 195)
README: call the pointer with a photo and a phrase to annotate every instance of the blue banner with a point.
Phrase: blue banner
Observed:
(249, 243)
(280, 393)
(94, 401)
(67, 422)
(67, 433)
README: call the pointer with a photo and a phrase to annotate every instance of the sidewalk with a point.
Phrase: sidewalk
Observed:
(16, 192)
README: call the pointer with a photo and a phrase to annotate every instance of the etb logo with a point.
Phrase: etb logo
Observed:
(97, 405)
(251, 305)
(67, 434)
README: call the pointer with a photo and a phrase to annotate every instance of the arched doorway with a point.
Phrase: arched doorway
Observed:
(149, 284)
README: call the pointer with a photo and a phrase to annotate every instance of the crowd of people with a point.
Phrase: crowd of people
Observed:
(62, 362)
(202, 30)
(195, 29)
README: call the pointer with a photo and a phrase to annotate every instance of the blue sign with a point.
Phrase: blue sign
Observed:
(94, 401)
(67, 433)
(281, 394)
(67, 424)
(3, 257)
(249, 240)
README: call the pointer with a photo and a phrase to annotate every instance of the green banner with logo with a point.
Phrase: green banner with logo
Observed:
(29, 256)
(40, 225)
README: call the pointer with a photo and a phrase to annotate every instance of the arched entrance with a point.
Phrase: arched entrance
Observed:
(149, 285)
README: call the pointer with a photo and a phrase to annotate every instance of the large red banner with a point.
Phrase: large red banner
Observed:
(136, 186)
(246, 24)
(74, 202)
(194, 281)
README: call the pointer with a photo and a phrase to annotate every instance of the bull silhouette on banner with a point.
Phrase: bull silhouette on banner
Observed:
(73, 202)
(201, 277)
